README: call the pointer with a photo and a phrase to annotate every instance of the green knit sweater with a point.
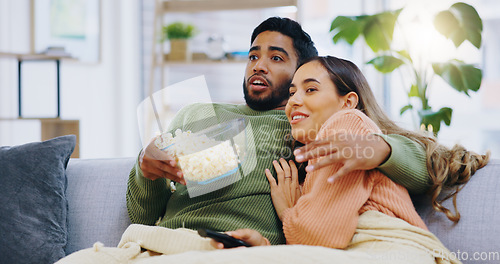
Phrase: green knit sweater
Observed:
(246, 203)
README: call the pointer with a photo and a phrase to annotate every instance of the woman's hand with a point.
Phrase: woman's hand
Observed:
(355, 152)
(250, 236)
(286, 191)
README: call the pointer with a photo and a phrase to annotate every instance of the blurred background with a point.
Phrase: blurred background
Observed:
(117, 61)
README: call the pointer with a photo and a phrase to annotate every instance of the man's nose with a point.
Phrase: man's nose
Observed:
(260, 66)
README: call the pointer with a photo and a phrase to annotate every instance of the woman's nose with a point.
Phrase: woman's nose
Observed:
(295, 100)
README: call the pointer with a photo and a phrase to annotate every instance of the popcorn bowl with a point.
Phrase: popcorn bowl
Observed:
(211, 158)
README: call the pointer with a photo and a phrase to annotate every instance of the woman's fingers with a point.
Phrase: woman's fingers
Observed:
(316, 149)
(345, 169)
(270, 178)
(294, 172)
(280, 174)
(286, 169)
(294, 186)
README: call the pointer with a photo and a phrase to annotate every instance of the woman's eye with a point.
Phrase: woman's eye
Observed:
(311, 90)
(291, 94)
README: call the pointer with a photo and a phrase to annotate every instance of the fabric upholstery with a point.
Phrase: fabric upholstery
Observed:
(478, 231)
(33, 205)
(96, 197)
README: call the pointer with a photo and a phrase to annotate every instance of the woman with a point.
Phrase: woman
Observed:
(330, 96)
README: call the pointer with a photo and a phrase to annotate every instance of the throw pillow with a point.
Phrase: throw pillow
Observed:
(33, 205)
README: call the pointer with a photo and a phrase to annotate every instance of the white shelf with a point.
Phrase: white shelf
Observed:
(221, 5)
(33, 56)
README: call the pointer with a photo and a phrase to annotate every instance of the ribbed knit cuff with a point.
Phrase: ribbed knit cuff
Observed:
(143, 181)
(406, 164)
(287, 226)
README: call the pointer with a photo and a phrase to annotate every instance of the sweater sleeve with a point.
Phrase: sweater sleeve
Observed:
(406, 164)
(146, 199)
(327, 214)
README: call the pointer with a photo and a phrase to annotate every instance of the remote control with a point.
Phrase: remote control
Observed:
(227, 240)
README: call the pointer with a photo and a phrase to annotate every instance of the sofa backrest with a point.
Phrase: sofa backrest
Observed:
(97, 209)
(476, 237)
(96, 201)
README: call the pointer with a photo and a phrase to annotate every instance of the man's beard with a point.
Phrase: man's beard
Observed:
(272, 101)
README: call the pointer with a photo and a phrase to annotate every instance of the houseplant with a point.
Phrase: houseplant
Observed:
(179, 33)
(458, 24)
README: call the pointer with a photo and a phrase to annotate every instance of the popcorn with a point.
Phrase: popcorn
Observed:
(201, 158)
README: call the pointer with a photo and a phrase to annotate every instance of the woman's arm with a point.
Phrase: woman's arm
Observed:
(398, 157)
(327, 214)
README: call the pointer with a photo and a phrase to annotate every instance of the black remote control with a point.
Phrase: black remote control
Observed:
(227, 240)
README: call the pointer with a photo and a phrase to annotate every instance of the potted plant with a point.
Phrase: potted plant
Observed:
(178, 34)
(459, 23)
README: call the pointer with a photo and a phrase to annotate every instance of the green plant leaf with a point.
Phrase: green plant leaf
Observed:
(405, 108)
(178, 30)
(347, 28)
(413, 91)
(379, 29)
(405, 54)
(429, 117)
(461, 76)
(386, 63)
(459, 23)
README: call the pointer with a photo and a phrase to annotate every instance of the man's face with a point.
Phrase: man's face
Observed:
(272, 62)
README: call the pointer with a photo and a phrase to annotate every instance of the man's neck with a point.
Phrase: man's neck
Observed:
(281, 107)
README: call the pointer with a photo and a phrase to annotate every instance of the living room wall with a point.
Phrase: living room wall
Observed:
(103, 95)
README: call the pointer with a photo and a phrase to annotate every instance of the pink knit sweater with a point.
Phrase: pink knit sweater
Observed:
(327, 214)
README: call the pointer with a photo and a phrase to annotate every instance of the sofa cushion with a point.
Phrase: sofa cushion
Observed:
(33, 205)
(477, 235)
(96, 199)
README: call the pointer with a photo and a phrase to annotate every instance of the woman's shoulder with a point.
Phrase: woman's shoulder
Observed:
(351, 119)
(348, 115)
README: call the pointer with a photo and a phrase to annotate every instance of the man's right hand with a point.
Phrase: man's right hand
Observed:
(156, 164)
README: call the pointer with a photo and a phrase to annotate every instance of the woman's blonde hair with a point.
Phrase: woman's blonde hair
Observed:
(448, 168)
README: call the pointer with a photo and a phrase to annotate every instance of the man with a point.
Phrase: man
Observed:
(278, 47)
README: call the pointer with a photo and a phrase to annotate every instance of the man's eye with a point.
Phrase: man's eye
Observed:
(252, 57)
(277, 58)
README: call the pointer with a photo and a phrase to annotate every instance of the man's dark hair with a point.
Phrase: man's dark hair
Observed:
(304, 46)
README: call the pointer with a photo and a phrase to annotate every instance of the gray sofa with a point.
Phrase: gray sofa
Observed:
(97, 209)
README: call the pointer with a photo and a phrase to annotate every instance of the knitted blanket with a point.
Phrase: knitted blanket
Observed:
(379, 239)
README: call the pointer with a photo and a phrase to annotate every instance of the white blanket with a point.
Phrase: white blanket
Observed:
(378, 239)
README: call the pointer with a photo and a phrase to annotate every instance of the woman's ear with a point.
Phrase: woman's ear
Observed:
(351, 100)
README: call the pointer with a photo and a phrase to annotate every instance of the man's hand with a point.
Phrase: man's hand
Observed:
(355, 152)
(252, 237)
(286, 191)
(156, 164)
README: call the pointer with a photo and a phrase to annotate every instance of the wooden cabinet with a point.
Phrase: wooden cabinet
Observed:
(18, 130)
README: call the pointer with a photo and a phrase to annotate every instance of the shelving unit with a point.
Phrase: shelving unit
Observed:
(164, 7)
(50, 127)
(159, 61)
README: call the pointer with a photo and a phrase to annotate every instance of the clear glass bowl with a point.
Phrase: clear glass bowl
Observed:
(211, 158)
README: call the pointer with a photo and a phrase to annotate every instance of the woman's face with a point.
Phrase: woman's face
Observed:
(313, 99)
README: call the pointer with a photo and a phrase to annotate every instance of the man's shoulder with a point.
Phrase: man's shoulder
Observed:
(197, 106)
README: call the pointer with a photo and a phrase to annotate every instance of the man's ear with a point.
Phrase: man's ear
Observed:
(351, 100)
